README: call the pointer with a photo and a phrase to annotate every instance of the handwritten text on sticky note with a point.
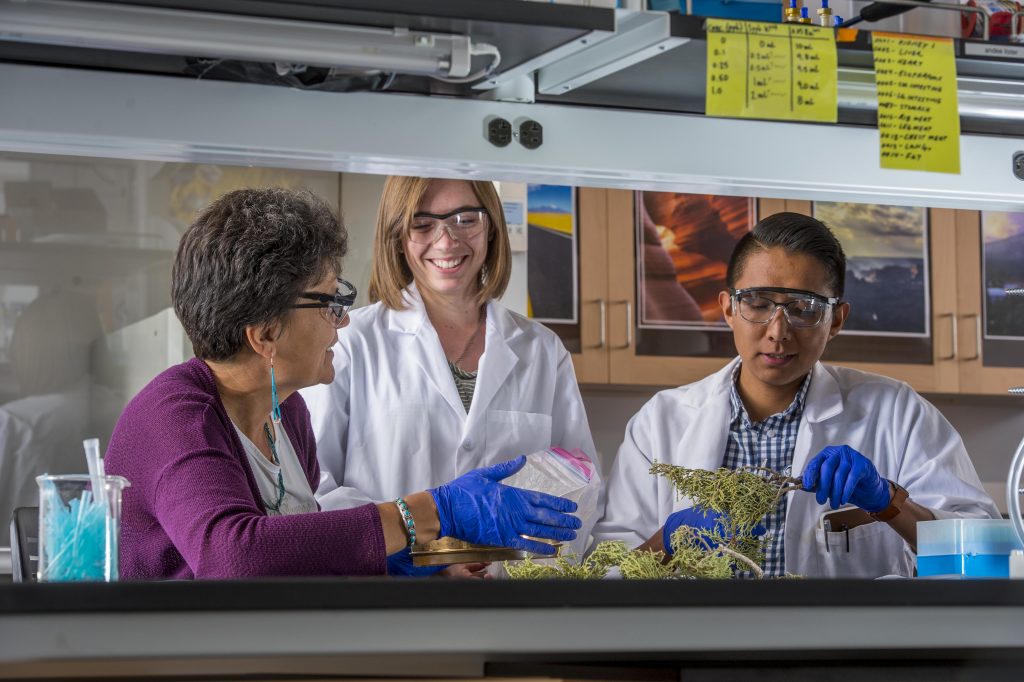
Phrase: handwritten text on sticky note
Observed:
(775, 71)
(918, 117)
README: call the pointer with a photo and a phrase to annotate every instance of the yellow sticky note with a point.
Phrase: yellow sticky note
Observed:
(775, 71)
(814, 63)
(769, 71)
(918, 116)
(727, 67)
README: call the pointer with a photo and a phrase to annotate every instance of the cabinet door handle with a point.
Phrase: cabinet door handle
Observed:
(602, 311)
(629, 324)
(952, 319)
(977, 336)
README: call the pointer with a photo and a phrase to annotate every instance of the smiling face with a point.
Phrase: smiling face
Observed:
(776, 355)
(448, 267)
(304, 356)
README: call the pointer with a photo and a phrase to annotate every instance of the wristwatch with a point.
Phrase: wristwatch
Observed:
(899, 496)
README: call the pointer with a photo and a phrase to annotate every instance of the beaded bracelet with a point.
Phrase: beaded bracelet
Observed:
(410, 524)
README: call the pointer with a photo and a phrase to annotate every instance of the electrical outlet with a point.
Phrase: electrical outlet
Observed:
(499, 132)
(1018, 165)
(531, 134)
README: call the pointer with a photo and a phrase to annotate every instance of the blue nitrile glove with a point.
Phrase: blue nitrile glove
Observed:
(842, 475)
(400, 563)
(697, 517)
(477, 508)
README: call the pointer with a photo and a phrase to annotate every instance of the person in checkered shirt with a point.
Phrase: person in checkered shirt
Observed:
(874, 456)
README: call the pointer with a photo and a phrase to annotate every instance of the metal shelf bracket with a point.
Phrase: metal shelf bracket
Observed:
(638, 36)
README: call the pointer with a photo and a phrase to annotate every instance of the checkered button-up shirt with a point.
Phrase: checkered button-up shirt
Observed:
(768, 443)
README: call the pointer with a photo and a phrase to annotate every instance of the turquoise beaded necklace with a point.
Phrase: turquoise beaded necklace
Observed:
(276, 506)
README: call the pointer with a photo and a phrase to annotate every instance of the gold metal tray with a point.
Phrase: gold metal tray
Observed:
(445, 551)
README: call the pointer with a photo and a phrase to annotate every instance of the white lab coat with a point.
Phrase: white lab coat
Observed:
(906, 437)
(40, 434)
(391, 422)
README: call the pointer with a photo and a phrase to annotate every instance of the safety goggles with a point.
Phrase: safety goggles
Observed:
(461, 225)
(802, 309)
(334, 307)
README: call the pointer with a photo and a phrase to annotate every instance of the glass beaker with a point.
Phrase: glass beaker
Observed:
(79, 524)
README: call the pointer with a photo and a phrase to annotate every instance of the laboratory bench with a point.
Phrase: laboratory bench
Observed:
(894, 629)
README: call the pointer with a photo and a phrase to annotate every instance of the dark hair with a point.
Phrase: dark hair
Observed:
(796, 233)
(245, 260)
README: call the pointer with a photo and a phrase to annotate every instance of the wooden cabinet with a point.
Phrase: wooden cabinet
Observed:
(985, 365)
(591, 361)
(609, 300)
(953, 361)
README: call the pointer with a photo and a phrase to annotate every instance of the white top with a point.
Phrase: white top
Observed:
(298, 496)
(904, 435)
(392, 423)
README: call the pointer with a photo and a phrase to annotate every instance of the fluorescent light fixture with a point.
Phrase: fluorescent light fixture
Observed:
(224, 36)
(984, 98)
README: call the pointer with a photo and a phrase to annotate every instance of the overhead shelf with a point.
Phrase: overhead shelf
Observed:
(631, 112)
(523, 33)
(556, 53)
(991, 86)
(649, 61)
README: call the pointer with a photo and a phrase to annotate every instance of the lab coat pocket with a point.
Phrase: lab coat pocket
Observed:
(510, 434)
(393, 451)
(868, 551)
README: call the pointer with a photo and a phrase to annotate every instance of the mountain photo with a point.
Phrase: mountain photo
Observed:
(551, 277)
(1003, 238)
(886, 266)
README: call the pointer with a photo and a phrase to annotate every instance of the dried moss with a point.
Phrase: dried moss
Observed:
(741, 496)
(744, 495)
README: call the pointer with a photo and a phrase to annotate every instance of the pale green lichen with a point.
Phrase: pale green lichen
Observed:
(741, 496)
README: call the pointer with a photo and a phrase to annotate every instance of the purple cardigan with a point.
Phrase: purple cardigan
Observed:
(193, 509)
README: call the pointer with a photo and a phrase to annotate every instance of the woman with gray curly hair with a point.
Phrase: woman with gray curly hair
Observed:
(219, 450)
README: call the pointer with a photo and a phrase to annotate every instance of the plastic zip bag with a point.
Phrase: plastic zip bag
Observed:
(566, 473)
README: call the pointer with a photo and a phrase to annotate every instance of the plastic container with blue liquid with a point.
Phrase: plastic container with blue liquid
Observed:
(965, 548)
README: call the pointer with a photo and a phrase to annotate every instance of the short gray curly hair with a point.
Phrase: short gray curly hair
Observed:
(245, 260)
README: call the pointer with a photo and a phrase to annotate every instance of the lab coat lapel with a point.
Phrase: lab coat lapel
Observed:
(708, 438)
(498, 359)
(823, 401)
(425, 347)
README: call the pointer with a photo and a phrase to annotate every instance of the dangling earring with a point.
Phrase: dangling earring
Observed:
(275, 412)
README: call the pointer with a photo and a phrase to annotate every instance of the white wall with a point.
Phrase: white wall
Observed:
(991, 428)
(359, 196)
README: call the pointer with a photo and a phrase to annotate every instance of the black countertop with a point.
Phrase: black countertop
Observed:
(382, 593)
(612, 629)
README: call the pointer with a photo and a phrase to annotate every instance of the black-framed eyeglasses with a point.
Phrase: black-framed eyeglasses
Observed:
(802, 309)
(462, 224)
(335, 307)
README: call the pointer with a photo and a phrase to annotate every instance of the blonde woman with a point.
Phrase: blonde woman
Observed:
(436, 377)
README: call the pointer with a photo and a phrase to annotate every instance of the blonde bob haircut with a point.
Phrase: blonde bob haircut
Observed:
(398, 205)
